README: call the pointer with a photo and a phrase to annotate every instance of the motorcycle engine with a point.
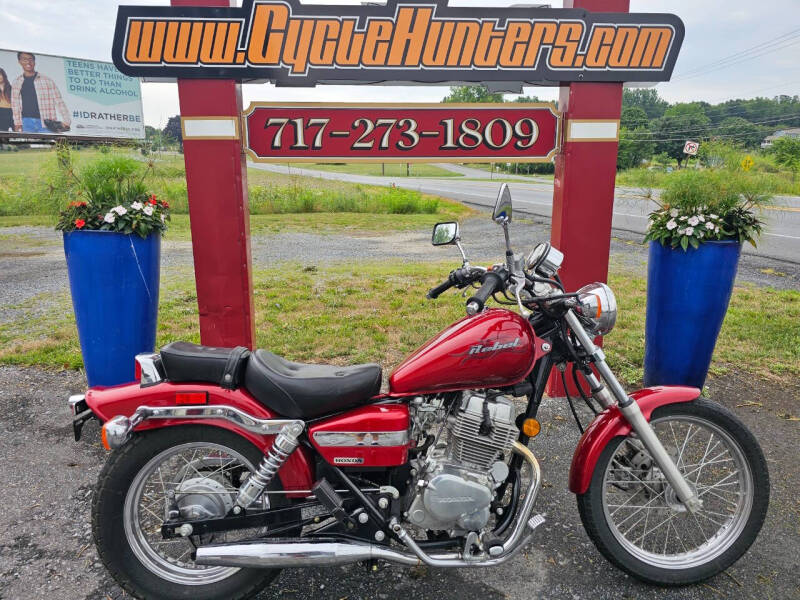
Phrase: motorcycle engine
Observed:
(457, 476)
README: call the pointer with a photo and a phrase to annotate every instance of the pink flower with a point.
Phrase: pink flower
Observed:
(79, 223)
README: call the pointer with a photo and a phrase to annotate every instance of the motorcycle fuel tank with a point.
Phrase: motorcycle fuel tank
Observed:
(495, 348)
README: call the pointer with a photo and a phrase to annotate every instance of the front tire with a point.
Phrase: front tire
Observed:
(129, 506)
(634, 518)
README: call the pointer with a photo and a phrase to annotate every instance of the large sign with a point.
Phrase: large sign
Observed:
(420, 41)
(44, 95)
(401, 132)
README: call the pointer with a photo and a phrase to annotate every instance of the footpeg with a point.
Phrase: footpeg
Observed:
(535, 521)
(332, 501)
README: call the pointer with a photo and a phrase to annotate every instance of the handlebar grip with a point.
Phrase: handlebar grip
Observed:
(491, 283)
(439, 289)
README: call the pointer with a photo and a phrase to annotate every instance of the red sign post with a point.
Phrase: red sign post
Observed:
(401, 132)
(216, 182)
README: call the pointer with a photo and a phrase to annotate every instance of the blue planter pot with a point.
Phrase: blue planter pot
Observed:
(687, 297)
(114, 281)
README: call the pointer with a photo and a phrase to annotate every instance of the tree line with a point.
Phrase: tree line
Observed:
(651, 126)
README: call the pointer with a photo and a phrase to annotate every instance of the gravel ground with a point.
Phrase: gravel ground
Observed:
(46, 549)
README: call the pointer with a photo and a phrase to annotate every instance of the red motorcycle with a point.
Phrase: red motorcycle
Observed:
(229, 465)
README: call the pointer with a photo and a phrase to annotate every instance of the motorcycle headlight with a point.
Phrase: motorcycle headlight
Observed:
(598, 307)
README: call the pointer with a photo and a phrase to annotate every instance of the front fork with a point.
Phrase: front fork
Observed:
(630, 410)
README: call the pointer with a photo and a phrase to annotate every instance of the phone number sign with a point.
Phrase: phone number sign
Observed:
(306, 132)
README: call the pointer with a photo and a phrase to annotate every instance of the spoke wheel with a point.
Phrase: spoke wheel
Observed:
(636, 519)
(192, 470)
(201, 479)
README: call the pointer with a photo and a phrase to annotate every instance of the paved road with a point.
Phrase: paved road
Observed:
(780, 241)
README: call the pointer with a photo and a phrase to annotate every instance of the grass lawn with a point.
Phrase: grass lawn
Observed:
(389, 170)
(378, 312)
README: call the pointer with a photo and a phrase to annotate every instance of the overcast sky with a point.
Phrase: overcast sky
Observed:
(715, 29)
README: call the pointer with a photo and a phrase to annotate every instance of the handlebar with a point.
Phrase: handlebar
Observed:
(434, 293)
(491, 282)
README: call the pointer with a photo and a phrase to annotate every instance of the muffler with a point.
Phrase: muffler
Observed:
(297, 553)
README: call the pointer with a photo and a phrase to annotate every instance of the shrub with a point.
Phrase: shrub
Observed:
(699, 206)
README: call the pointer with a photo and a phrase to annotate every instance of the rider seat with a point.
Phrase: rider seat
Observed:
(302, 391)
(293, 390)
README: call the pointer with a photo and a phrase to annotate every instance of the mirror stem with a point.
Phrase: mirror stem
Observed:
(463, 254)
(509, 252)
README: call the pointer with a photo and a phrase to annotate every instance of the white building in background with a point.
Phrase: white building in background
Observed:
(793, 133)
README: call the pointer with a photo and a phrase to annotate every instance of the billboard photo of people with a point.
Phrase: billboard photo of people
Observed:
(43, 94)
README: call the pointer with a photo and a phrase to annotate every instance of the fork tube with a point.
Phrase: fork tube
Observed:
(631, 411)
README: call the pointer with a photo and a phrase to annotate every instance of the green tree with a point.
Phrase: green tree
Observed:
(646, 99)
(740, 131)
(787, 153)
(635, 146)
(681, 122)
(528, 99)
(173, 129)
(472, 93)
(634, 117)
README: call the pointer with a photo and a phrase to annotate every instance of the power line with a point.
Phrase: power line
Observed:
(761, 49)
(770, 42)
(720, 126)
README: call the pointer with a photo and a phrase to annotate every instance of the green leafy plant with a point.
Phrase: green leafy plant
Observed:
(704, 206)
(113, 197)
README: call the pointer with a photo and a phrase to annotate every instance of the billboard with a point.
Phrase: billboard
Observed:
(43, 95)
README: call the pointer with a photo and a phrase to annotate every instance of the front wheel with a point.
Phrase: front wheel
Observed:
(195, 470)
(635, 518)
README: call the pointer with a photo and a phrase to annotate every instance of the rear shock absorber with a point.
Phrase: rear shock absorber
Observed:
(284, 444)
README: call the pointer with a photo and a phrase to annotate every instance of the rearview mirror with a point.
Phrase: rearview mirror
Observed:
(444, 234)
(502, 208)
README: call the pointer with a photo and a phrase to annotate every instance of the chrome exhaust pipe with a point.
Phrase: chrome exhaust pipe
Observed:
(306, 553)
(284, 554)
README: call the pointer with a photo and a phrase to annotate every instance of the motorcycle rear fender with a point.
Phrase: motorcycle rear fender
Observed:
(610, 423)
(105, 403)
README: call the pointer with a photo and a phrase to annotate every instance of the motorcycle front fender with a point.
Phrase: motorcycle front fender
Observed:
(611, 423)
(105, 403)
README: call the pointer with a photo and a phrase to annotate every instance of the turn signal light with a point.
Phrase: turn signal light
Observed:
(531, 427)
(104, 437)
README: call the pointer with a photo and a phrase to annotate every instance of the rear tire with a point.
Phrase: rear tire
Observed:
(127, 557)
(734, 487)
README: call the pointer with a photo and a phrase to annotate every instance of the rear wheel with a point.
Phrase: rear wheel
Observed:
(635, 519)
(196, 469)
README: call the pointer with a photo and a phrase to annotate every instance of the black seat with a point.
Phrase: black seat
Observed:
(301, 391)
(185, 362)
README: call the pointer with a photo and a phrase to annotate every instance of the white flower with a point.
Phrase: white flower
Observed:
(148, 210)
(120, 210)
(163, 219)
(713, 216)
(137, 206)
(702, 218)
(688, 231)
(671, 224)
(673, 213)
(679, 231)
(716, 229)
(693, 221)
(700, 233)
(109, 218)
(709, 225)
(683, 218)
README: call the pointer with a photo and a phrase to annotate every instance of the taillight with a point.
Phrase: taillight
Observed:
(137, 370)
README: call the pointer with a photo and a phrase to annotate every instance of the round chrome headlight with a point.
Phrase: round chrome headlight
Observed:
(598, 307)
